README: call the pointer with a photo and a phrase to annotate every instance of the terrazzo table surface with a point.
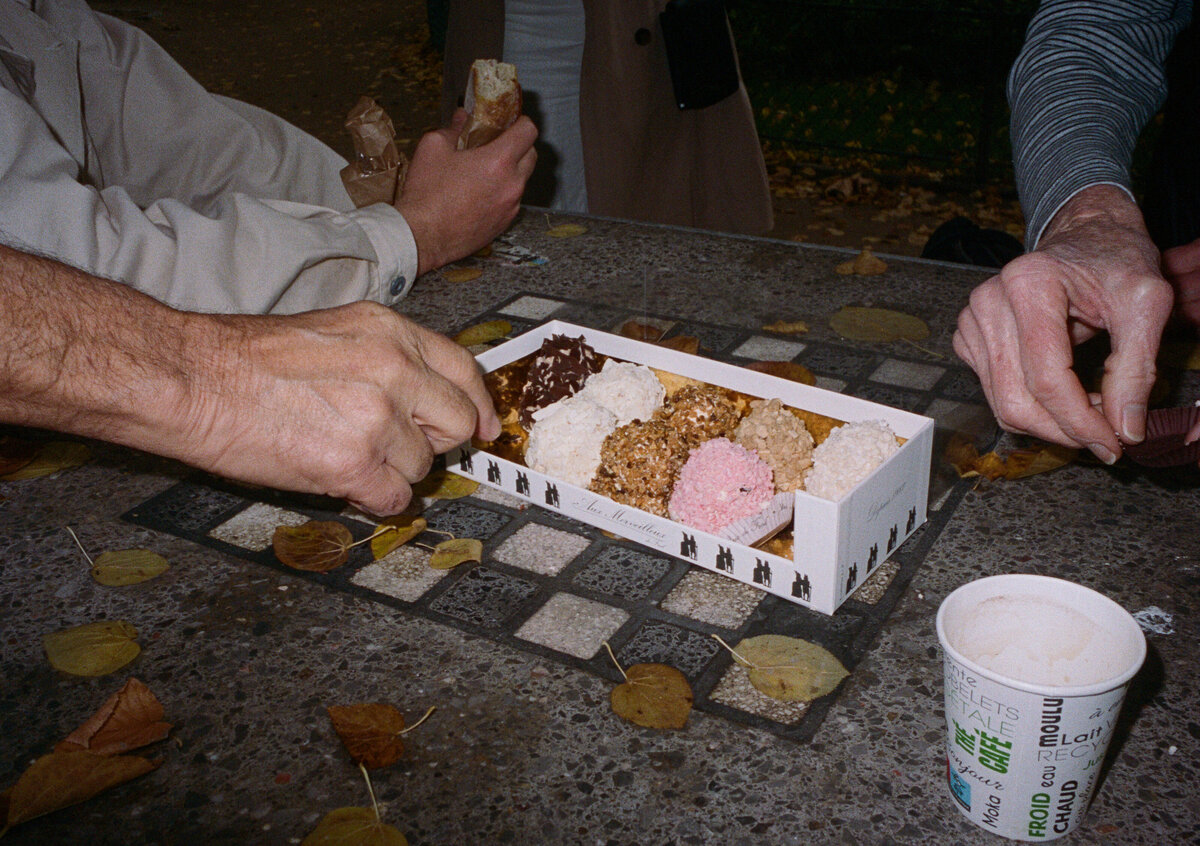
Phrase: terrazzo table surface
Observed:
(524, 750)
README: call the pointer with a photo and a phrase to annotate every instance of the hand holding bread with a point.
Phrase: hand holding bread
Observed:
(492, 101)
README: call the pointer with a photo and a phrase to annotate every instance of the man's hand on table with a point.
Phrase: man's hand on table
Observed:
(1094, 270)
(457, 201)
(353, 402)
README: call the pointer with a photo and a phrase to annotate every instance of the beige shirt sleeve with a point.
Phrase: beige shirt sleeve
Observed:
(118, 162)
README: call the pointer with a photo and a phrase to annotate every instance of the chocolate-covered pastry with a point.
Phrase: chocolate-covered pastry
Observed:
(557, 371)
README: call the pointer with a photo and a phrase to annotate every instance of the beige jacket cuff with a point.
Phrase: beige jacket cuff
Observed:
(395, 249)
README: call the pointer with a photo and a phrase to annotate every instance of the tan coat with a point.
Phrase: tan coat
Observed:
(645, 158)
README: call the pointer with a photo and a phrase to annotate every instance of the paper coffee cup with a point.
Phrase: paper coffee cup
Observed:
(1036, 670)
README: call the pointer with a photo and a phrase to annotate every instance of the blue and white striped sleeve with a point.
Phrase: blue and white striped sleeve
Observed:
(1087, 80)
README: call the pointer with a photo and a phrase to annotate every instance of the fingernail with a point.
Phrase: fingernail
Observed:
(1102, 452)
(1133, 422)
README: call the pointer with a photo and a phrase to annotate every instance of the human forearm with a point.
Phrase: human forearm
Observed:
(1088, 78)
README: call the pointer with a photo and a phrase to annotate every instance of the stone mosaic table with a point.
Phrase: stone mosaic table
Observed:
(523, 747)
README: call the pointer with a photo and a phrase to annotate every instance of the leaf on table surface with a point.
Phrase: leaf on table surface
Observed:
(15, 453)
(394, 532)
(92, 649)
(51, 458)
(317, 546)
(442, 484)
(787, 327)
(130, 718)
(566, 230)
(789, 370)
(1182, 354)
(653, 696)
(370, 732)
(865, 263)
(858, 323)
(683, 343)
(120, 567)
(450, 553)
(483, 333)
(354, 827)
(789, 669)
(61, 779)
(641, 331)
(461, 274)
(1019, 464)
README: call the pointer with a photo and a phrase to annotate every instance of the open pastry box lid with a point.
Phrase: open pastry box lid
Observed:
(837, 544)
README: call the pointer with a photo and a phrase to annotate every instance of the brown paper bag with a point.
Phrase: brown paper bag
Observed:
(377, 173)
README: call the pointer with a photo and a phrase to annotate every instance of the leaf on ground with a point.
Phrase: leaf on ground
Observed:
(787, 327)
(317, 546)
(354, 827)
(15, 453)
(865, 263)
(51, 458)
(442, 484)
(61, 779)
(483, 333)
(968, 463)
(683, 343)
(397, 531)
(641, 331)
(120, 567)
(130, 718)
(566, 230)
(92, 649)
(653, 696)
(789, 669)
(450, 553)
(461, 274)
(877, 324)
(789, 370)
(370, 732)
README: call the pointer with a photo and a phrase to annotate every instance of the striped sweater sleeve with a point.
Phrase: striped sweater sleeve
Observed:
(1087, 80)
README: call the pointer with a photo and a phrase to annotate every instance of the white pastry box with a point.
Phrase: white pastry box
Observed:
(837, 544)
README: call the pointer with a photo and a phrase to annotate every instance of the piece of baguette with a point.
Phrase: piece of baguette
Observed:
(492, 101)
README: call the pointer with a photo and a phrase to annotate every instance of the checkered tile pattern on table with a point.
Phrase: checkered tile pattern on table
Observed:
(559, 589)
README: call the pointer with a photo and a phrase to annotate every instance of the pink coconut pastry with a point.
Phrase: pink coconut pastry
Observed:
(720, 483)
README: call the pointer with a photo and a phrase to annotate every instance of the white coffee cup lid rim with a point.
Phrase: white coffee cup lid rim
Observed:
(1103, 686)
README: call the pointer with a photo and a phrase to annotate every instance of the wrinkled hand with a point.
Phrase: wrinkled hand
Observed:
(1181, 266)
(457, 201)
(1094, 270)
(353, 402)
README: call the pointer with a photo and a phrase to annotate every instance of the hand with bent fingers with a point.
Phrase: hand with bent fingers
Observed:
(353, 402)
(457, 201)
(1095, 270)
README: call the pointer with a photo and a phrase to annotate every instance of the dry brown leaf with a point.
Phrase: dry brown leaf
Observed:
(370, 732)
(789, 669)
(653, 696)
(483, 333)
(15, 453)
(92, 649)
(865, 263)
(354, 827)
(641, 331)
(450, 553)
(682, 343)
(461, 274)
(787, 327)
(1030, 462)
(317, 546)
(120, 567)
(566, 230)
(51, 458)
(968, 463)
(876, 325)
(789, 370)
(397, 531)
(442, 484)
(61, 779)
(129, 719)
